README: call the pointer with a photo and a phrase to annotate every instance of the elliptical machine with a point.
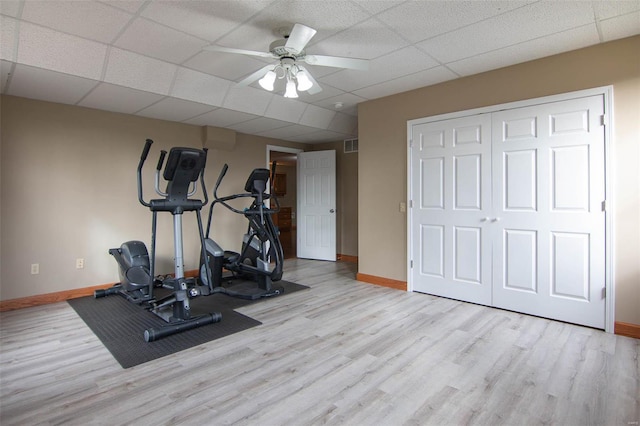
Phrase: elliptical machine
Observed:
(260, 245)
(185, 166)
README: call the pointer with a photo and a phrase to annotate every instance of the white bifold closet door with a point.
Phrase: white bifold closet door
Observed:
(451, 203)
(507, 209)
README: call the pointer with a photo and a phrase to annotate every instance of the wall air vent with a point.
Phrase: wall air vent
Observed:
(350, 145)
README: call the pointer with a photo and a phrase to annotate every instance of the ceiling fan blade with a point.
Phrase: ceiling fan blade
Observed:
(255, 76)
(215, 48)
(316, 88)
(336, 61)
(299, 37)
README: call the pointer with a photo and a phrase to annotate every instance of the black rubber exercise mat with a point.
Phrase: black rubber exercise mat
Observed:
(120, 324)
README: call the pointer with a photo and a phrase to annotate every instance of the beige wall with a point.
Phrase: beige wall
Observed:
(68, 185)
(382, 177)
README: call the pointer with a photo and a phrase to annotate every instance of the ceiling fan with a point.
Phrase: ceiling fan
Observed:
(290, 53)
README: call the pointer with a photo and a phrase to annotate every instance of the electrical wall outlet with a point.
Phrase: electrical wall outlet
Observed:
(35, 268)
(79, 263)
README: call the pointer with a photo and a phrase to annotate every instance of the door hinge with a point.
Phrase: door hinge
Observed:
(411, 264)
(604, 205)
(603, 119)
(604, 292)
(410, 143)
(410, 204)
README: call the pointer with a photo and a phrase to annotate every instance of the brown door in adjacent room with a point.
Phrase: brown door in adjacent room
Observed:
(285, 189)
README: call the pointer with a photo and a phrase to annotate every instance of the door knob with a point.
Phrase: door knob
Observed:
(495, 219)
(332, 211)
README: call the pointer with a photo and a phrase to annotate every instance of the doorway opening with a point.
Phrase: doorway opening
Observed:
(285, 187)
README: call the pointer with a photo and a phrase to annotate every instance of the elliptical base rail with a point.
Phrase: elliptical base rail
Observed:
(153, 334)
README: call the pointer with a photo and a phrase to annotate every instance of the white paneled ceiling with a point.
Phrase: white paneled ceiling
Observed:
(147, 58)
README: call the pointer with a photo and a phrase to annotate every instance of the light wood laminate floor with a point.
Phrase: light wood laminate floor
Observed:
(343, 352)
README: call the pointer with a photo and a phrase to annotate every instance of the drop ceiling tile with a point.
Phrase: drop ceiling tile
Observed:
(324, 136)
(327, 17)
(250, 36)
(221, 118)
(621, 26)
(208, 20)
(344, 123)
(396, 64)
(528, 22)
(114, 98)
(10, 8)
(86, 19)
(419, 20)
(285, 109)
(45, 85)
(7, 38)
(610, 9)
(375, 7)
(530, 50)
(139, 72)
(260, 124)
(131, 6)
(349, 103)
(174, 110)
(45, 48)
(199, 87)
(366, 40)
(159, 42)
(229, 66)
(247, 99)
(289, 133)
(317, 117)
(409, 82)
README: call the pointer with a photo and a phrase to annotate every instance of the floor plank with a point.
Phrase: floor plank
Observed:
(343, 352)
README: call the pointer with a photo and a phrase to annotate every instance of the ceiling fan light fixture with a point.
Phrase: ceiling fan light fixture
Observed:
(304, 83)
(290, 91)
(290, 50)
(267, 81)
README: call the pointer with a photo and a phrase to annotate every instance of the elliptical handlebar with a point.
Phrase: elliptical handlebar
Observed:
(161, 160)
(145, 151)
(143, 158)
(160, 192)
(223, 172)
(204, 187)
(223, 200)
(272, 187)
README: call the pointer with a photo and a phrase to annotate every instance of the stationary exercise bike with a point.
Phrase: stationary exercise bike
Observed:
(185, 166)
(252, 275)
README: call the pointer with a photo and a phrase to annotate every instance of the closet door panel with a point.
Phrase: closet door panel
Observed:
(548, 186)
(451, 173)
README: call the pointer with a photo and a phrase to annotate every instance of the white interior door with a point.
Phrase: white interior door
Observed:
(317, 205)
(451, 197)
(548, 190)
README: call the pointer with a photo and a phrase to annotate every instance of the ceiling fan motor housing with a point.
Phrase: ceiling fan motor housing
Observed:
(279, 48)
